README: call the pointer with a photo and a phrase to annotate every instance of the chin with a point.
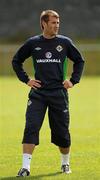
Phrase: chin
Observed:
(55, 33)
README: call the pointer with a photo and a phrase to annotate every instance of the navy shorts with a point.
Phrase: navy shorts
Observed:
(58, 114)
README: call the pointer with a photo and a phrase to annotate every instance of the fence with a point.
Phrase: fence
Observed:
(90, 52)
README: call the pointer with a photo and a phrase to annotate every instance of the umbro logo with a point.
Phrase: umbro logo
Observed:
(37, 48)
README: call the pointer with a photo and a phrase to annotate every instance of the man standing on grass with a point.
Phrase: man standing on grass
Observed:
(50, 53)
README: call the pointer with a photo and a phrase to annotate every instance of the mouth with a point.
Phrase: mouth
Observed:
(56, 30)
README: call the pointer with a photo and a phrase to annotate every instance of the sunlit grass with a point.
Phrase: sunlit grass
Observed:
(84, 127)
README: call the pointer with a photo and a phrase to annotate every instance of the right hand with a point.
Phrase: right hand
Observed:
(33, 83)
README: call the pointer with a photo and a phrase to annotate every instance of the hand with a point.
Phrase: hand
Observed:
(67, 84)
(33, 83)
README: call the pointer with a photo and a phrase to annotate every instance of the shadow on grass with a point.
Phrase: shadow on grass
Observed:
(41, 176)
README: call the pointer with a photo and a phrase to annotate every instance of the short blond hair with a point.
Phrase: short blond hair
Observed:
(45, 16)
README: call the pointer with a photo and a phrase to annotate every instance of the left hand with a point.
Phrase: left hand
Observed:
(67, 84)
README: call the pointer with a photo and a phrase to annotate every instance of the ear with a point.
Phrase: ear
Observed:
(44, 24)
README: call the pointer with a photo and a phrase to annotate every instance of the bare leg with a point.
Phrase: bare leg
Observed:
(28, 148)
(64, 150)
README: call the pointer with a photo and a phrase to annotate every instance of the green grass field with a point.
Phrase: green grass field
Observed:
(84, 127)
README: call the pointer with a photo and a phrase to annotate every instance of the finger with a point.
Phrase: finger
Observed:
(34, 87)
(38, 81)
(66, 86)
(37, 85)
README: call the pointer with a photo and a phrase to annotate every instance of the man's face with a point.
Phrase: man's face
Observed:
(52, 26)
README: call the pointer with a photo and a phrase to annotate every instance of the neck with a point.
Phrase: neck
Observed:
(47, 36)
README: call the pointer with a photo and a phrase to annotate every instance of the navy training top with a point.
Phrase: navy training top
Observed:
(50, 57)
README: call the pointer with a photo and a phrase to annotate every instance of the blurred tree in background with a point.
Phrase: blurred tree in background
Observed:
(20, 18)
(80, 20)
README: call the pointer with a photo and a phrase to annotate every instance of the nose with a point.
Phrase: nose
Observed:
(57, 25)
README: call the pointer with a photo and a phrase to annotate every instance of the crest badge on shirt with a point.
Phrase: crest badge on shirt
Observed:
(59, 48)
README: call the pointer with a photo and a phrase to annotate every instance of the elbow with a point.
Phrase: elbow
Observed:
(82, 60)
(13, 64)
(83, 63)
